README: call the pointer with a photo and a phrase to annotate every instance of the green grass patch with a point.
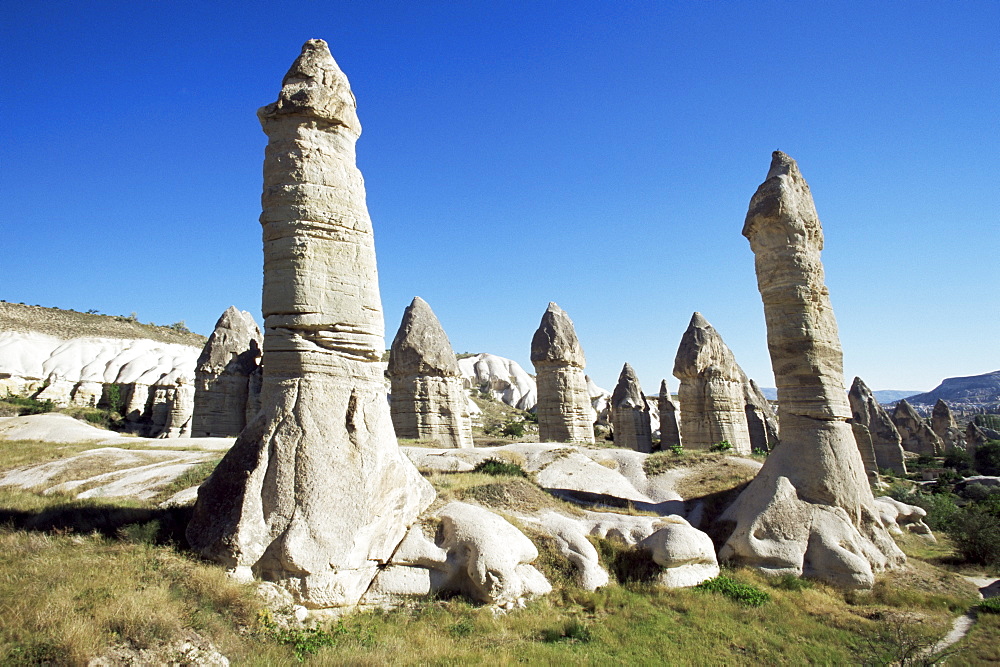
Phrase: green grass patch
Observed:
(496, 467)
(745, 594)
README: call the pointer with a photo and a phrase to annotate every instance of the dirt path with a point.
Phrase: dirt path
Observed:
(988, 588)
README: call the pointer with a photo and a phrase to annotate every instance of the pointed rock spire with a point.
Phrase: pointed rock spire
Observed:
(428, 398)
(670, 433)
(564, 410)
(944, 425)
(630, 413)
(916, 434)
(810, 509)
(884, 437)
(711, 390)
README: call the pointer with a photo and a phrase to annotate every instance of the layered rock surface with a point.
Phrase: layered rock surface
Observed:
(915, 433)
(630, 413)
(670, 433)
(564, 408)
(428, 396)
(711, 393)
(944, 425)
(323, 434)
(222, 376)
(810, 509)
(878, 432)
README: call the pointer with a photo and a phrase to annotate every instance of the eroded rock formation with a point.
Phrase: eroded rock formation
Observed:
(670, 432)
(878, 429)
(315, 494)
(502, 379)
(222, 376)
(944, 425)
(762, 423)
(810, 509)
(428, 398)
(711, 394)
(564, 406)
(630, 413)
(916, 434)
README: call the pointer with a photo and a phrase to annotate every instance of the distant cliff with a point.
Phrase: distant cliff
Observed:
(976, 389)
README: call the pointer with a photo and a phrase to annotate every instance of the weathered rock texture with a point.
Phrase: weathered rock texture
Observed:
(810, 509)
(944, 425)
(630, 413)
(222, 376)
(974, 436)
(711, 394)
(503, 379)
(762, 423)
(428, 396)
(916, 434)
(878, 429)
(670, 431)
(564, 409)
(315, 494)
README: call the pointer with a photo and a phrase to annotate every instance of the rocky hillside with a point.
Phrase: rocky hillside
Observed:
(981, 390)
(66, 324)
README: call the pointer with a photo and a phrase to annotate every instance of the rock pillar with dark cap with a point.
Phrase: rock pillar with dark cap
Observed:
(810, 509)
(428, 398)
(315, 495)
(222, 376)
(670, 432)
(564, 410)
(711, 393)
(630, 414)
(885, 441)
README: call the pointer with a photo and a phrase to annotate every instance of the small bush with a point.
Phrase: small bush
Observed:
(573, 630)
(959, 460)
(513, 429)
(723, 446)
(790, 582)
(745, 594)
(497, 467)
(975, 531)
(29, 406)
(676, 449)
(991, 606)
(462, 628)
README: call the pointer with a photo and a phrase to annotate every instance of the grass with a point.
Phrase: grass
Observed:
(79, 576)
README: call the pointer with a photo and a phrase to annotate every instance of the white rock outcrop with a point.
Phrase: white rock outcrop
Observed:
(630, 413)
(686, 554)
(503, 379)
(315, 494)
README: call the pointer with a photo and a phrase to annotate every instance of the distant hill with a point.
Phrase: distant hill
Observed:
(881, 395)
(978, 389)
(67, 324)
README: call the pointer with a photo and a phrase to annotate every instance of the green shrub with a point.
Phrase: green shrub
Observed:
(975, 532)
(790, 582)
(723, 446)
(941, 508)
(988, 421)
(498, 467)
(29, 406)
(745, 594)
(959, 460)
(676, 448)
(991, 606)
(988, 458)
(513, 429)
(573, 630)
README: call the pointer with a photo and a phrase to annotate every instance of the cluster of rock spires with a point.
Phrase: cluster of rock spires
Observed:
(878, 440)
(324, 433)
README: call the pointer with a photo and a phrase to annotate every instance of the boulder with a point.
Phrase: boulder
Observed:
(810, 509)
(428, 398)
(879, 433)
(564, 409)
(222, 377)
(323, 434)
(630, 413)
(686, 554)
(916, 435)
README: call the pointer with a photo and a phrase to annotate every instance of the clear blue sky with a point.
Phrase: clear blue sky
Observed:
(596, 154)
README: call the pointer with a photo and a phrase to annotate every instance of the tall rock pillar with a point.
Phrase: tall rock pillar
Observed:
(428, 396)
(315, 494)
(810, 509)
(565, 413)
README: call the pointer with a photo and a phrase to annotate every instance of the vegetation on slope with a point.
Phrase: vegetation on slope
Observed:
(82, 576)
